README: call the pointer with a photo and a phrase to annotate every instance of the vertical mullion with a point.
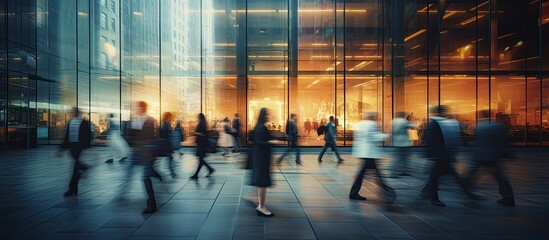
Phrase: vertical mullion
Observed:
(490, 59)
(476, 61)
(160, 59)
(439, 28)
(540, 47)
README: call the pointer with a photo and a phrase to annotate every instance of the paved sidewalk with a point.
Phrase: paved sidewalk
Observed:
(310, 202)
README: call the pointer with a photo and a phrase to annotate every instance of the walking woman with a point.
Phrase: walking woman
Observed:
(261, 158)
(202, 145)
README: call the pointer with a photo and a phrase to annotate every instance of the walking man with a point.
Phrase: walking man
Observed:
(330, 140)
(291, 132)
(77, 138)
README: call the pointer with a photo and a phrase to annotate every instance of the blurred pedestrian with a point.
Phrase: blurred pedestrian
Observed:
(441, 139)
(225, 140)
(177, 137)
(292, 133)
(401, 141)
(143, 142)
(118, 147)
(166, 133)
(77, 138)
(202, 146)
(330, 140)
(237, 147)
(491, 145)
(367, 140)
(261, 161)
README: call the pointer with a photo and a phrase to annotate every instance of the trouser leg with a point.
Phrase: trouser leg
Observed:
(505, 189)
(326, 144)
(334, 149)
(432, 185)
(73, 184)
(151, 200)
(355, 189)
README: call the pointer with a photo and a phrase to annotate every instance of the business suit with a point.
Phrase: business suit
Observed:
(330, 141)
(166, 132)
(492, 144)
(142, 141)
(77, 138)
(202, 143)
(291, 130)
(440, 147)
(236, 126)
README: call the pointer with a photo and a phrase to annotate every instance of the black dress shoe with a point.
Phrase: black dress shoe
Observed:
(319, 160)
(110, 160)
(210, 173)
(340, 160)
(149, 210)
(69, 193)
(262, 214)
(298, 163)
(438, 203)
(507, 202)
(122, 159)
(193, 177)
(357, 197)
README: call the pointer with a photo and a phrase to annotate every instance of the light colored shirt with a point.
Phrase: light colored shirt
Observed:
(139, 121)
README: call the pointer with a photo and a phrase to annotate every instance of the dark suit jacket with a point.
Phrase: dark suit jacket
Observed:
(330, 134)
(433, 141)
(236, 126)
(492, 141)
(261, 157)
(291, 131)
(84, 136)
(201, 140)
(145, 136)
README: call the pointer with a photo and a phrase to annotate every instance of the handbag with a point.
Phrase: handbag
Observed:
(413, 134)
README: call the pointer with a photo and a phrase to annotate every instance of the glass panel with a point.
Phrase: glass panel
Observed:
(267, 66)
(140, 56)
(105, 68)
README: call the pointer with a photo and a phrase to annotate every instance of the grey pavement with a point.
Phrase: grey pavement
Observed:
(310, 202)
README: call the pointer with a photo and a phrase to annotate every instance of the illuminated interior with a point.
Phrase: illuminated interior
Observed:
(312, 58)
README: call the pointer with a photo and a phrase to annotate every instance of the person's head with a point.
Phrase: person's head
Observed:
(177, 122)
(484, 114)
(440, 110)
(370, 115)
(236, 115)
(331, 118)
(111, 115)
(141, 107)
(400, 114)
(263, 116)
(167, 117)
(75, 112)
(226, 119)
(293, 116)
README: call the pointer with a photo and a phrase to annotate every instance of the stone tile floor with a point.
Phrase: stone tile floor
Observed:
(310, 202)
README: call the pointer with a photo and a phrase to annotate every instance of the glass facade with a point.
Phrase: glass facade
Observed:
(315, 58)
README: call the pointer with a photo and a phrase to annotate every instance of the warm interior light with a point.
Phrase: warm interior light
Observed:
(138, 13)
(480, 5)
(319, 44)
(361, 65)
(413, 35)
(470, 20)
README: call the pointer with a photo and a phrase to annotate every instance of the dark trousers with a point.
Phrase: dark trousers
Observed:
(332, 145)
(293, 148)
(75, 153)
(201, 163)
(401, 163)
(367, 163)
(505, 189)
(441, 167)
(237, 144)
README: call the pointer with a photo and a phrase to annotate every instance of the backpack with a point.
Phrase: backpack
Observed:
(321, 130)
